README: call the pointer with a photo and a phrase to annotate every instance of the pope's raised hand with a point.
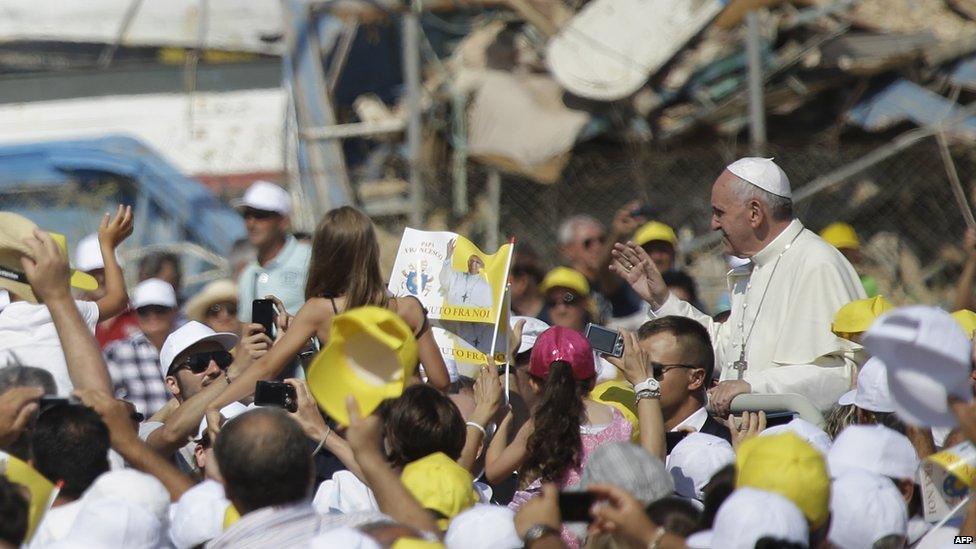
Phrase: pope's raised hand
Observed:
(632, 263)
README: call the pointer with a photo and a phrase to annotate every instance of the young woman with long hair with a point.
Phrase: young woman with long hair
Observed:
(566, 424)
(344, 273)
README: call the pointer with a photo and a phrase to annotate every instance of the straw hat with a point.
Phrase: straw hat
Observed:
(218, 291)
(13, 230)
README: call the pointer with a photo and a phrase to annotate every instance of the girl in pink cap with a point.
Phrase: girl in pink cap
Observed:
(566, 424)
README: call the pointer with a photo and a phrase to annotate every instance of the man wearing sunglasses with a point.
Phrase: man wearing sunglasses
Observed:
(568, 302)
(133, 362)
(281, 265)
(193, 359)
(682, 361)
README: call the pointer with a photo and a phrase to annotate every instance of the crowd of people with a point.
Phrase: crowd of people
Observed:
(154, 415)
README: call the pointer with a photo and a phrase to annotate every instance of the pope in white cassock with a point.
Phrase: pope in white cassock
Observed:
(778, 338)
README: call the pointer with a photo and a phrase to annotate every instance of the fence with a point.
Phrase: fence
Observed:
(902, 207)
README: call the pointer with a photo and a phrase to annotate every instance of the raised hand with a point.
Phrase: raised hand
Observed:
(47, 269)
(750, 425)
(112, 232)
(633, 363)
(487, 394)
(632, 263)
(17, 408)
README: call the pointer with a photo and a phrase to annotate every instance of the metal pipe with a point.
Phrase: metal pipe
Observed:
(411, 74)
(495, 207)
(757, 115)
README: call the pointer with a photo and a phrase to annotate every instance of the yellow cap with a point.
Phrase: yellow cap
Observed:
(620, 395)
(967, 320)
(857, 316)
(786, 465)
(441, 485)
(371, 354)
(841, 235)
(655, 230)
(415, 543)
(231, 516)
(564, 277)
(41, 489)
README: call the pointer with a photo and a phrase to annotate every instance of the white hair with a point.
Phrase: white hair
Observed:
(780, 207)
(567, 229)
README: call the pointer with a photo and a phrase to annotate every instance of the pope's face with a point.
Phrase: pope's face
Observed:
(731, 217)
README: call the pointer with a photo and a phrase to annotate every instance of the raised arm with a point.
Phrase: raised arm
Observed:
(633, 364)
(503, 460)
(623, 226)
(300, 330)
(48, 275)
(487, 400)
(392, 496)
(122, 433)
(111, 233)
(414, 314)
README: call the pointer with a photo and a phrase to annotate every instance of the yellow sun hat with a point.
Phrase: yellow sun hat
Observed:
(655, 230)
(789, 466)
(857, 316)
(440, 485)
(966, 320)
(14, 229)
(564, 277)
(840, 235)
(371, 355)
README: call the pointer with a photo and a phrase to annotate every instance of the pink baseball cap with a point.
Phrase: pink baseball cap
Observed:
(558, 343)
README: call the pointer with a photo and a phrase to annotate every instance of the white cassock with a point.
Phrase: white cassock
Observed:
(463, 289)
(789, 347)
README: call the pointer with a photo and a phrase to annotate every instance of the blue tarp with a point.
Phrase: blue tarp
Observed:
(170, 206)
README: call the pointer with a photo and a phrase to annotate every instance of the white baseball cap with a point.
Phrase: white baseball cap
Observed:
(187, 335)
(695, 460)
(116, 523)
(483, 527)
(88, 254)
(530, 331)
(872, 392)
(133, 486)
(343, 536)
(927, 358)
(154, 291)
(198, 516)
(229, 412)
(264, 195)
(873, 448)
(763, 173)
(815, 436)
(864, 508)
(749, 515)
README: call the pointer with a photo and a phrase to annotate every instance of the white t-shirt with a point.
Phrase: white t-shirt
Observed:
(56, 524)
(28, 338)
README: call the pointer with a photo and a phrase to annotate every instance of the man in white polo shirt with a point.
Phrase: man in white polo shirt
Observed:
(133, 362)
(281, 265)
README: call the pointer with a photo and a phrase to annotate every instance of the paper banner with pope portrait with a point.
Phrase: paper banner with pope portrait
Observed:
(463, 290)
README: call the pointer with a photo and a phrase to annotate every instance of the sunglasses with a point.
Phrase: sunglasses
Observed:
(147, 310)
(199, 362)
(216, 308)
(259, 214)
(594, 240)
(568, 298)
(661, 369)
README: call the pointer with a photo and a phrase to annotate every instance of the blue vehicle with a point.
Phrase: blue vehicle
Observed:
(66, 186)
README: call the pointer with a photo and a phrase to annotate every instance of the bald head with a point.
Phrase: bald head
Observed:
(264, 459)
